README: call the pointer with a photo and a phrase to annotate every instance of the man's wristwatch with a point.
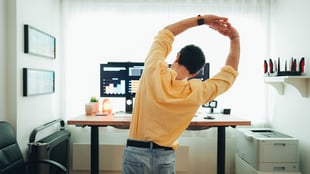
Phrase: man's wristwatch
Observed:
(200, 20)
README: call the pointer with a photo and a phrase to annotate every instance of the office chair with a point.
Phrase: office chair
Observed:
(11, 158)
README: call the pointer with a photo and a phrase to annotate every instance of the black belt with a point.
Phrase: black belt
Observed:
(146, 144)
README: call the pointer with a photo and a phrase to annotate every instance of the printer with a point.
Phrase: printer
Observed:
(267, 150)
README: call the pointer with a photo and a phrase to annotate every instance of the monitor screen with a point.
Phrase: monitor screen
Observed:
(120, 79)
(134, 73)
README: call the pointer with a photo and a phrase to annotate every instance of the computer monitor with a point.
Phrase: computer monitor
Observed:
(203, 73)
(212, 104)
(121, 79)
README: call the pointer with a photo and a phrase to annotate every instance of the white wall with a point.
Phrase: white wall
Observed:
(290, 37)
(3, 58)
(26, 113)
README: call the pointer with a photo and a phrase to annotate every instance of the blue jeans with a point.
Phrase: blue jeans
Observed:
(138, 160)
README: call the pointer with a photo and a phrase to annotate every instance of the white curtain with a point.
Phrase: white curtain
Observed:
(98, 31)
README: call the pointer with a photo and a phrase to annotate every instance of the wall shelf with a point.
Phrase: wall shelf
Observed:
(299, 82)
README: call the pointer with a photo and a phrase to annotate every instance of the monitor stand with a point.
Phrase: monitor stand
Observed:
(129, 104)
(211, 111)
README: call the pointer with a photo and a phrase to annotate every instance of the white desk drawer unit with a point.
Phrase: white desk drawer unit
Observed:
(268, 150)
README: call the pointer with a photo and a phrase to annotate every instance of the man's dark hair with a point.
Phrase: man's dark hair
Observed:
(192, 58)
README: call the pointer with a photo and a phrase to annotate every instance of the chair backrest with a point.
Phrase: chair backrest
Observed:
(11, 158)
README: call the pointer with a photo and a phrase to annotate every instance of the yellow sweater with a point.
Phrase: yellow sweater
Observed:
(164, 107)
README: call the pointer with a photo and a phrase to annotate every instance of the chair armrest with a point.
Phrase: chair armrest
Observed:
(56, 164)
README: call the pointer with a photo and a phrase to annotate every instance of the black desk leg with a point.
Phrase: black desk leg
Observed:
(94, 150)
(221, 150)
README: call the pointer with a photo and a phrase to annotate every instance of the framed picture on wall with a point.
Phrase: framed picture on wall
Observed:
(37, 42)
(36, 81)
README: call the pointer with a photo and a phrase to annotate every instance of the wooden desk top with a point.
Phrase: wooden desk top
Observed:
(119, 120)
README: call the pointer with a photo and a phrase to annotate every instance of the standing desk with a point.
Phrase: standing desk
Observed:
(119, 121)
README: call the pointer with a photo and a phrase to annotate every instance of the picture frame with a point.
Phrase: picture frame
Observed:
(39, 43)
(38, 81)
